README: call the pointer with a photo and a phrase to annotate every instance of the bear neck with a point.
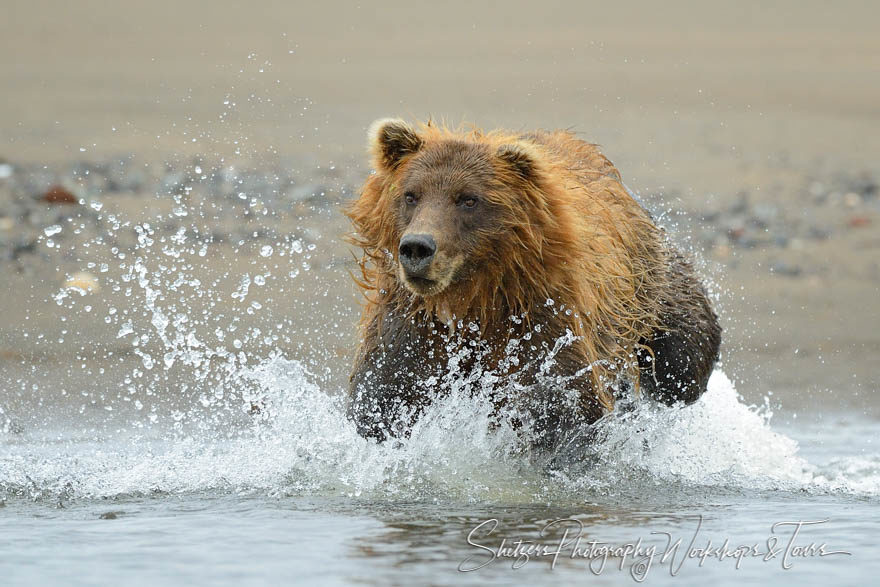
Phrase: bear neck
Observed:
(501, 310)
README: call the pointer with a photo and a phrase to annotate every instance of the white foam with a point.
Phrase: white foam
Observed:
(306, 446)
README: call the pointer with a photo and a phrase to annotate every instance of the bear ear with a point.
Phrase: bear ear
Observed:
(391, 139)
(519, 158)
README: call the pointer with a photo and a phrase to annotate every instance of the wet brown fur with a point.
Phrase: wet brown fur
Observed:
(572, 234)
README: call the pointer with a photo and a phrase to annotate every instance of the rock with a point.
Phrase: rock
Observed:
(741, 205)
(764, 215)
(59, 195)
(309, 192)
(735, 227)
(852, 199)
(721, 251)
(83, 282)
(818, 232)
(859, 221)
(23, 245)
(787, 269)
(865, 185)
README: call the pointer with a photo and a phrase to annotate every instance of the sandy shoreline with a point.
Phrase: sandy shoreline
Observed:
(757, 133)
(782, 276)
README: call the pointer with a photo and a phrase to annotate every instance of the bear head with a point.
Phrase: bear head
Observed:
(458, 219)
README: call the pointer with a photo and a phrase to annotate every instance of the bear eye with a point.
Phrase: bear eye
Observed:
(410, 198)
(468, 201)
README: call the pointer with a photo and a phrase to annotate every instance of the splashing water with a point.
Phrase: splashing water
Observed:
(211, 403)
(303, 444)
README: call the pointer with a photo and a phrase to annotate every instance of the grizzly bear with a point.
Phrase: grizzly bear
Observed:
(523, 256)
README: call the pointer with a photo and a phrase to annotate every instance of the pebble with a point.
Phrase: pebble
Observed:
(84, 282)
(784, 268)
(859, 221)
(852, 199)
(307, 192)
(59, 195)
(278, 192)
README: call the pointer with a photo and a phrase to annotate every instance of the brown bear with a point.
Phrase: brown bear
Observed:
(524, 256)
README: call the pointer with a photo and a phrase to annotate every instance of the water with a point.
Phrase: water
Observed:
(301, 498)
(198, 436)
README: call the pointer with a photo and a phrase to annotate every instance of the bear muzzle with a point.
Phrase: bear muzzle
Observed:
(416, 253)
(425, 268)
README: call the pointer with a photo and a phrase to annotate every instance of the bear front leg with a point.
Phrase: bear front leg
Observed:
(558, 405)
(386, 391)
(685, 349)
(383, 399)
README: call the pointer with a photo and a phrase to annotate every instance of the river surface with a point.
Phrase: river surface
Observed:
(299, 498)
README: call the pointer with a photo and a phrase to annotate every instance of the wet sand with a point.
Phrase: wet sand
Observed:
(702, 109)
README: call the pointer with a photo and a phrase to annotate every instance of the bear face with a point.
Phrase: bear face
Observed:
(453, 203)
(452, 210)
(445, 220)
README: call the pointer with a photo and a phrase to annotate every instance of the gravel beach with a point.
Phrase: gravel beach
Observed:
(782, 269)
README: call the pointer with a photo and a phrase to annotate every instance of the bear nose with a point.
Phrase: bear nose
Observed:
(416, 252)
